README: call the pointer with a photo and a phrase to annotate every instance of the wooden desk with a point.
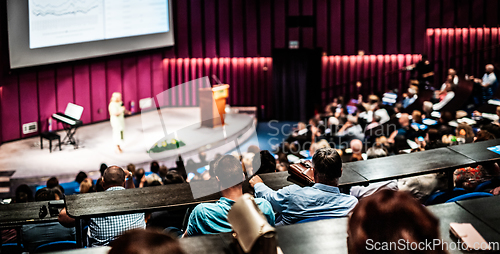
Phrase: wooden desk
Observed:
(407, 165)
(311, 238)
(133, 200)
(478, 151)
(485, 209)
(453, 212)
(207, 244)
(16, 215)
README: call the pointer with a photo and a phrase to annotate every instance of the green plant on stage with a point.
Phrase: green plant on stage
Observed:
(165, 146)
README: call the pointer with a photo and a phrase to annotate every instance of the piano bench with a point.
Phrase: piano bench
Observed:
(50, 136)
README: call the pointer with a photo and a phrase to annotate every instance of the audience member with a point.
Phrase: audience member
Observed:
(140, 178)
(139, 241)
(155, 167)
(433, 140)
(264, 163)
(34, 235)
(173, 177)
(131, 168)
(53, 182)
(211, 218)
(24, 194)
(390, 217)
(80, 177)
(87, 186)
(103, 230)
(323, 199)
(483, 135)
(103, 168)
(356, 146)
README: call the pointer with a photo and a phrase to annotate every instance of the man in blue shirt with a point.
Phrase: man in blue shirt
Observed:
(322, 199)
(211, 218)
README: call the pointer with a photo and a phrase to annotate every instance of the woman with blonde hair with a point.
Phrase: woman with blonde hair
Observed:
(117, 118)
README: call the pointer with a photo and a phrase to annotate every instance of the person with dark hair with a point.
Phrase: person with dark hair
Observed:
(145, 242)
(264, 163)
(389, 217)
(322, 199)
(103, 168)
(433, 139)
(23, 194)
(54, 183)
(131, 168)
(211, 218)
(173, 177)
(140, 178)
(47, 193)
(98, 185)
(34, 235)
(492, 128)
(80, 177)
(155, 167)
(103, 230)
(483, 135)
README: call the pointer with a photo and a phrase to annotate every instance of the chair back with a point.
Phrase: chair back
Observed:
(471, 195)
(56, 246)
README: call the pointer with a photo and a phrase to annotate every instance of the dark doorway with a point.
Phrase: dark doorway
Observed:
(296, 83)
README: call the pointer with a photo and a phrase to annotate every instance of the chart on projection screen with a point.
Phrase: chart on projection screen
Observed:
(60, 22)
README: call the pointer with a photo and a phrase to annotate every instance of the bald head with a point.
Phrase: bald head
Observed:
(490, 68)
(404, 120)
(113, 176)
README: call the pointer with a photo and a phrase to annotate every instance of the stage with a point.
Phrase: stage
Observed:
(32, 165)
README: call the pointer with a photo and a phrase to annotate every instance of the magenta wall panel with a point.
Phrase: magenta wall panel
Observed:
(195, 26)
(210, 38)
(335, 28)
(349, 27)
(238, 29)
(9, 104)
(377, 27)
(251, 28)
(448, 13)
(322, 13)
(144, 74)
(181, 29)
(130, 85)
(46, 97)
(113, 77)
(64, 81)
(99, 98)
(391, 24)
(28, 95)
(491, 13)
(224, 35)
(82, 91)
(157, 76)
(363, 9)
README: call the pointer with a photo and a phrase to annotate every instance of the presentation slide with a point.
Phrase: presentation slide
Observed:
(62, 22)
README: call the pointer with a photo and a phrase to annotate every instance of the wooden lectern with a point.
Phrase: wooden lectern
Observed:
(213, 105)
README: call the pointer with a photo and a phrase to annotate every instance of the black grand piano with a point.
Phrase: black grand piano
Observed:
(71, 121)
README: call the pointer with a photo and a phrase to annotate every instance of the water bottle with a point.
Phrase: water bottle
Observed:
(132, 107)
(50, 124)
